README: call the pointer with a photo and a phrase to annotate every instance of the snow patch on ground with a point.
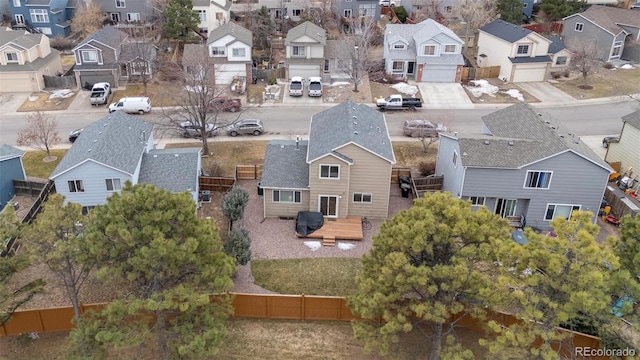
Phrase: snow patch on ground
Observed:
(514, 93)
(340, 83)
(346, 246)
(313, 245)
(482, 87)
(405, 88)
(62, 93)
(627, 66)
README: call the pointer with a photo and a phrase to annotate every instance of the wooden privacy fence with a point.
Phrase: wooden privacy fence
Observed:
(249, 172)
(212, 183)
(31, 188)
(426, 184)
(473, 73)
(60, 82)
(399, 171)
(620, 203)
(39, 203)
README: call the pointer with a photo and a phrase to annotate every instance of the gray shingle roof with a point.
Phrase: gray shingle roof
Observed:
(193, 54)
(32, 65)
(285, 165)
(108, 35)
(505, 31)
(175, 170)
(117, 140)
(348, 123)
(138, 50)
(9, 152)
(231, 28)
(610, 17)
(633, 119)
(530, 59)
(226, 6)
(309, 29)
(520, 135)
(19, 38)
(557, 44)
(413, 34)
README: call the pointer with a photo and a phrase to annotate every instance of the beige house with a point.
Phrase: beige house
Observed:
(304, 50)
(523, 55)
(342, 170)
(24, 59)
(626, 151)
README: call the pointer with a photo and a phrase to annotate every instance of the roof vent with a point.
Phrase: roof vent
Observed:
(355, 123)
(105, 125)
(95, 141)
(89, 150)
(510, 143)
(547, 122)
(355, 117)
(355, 133)
(100, 133)
(155, 156)
(176, 155)
(455, 133)
(561, 136)
(486, 142)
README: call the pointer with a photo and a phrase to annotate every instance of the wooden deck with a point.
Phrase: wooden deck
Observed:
(349, 228)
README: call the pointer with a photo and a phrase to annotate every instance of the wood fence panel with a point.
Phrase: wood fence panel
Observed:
(60, 82)
(31, 188)
(57, 319)
(39, 203)
(397, 171)
(321, 308)
(24, 322)
(285, 307)
(249, 172)
(250, 306)
(465, 73)
(211, 183)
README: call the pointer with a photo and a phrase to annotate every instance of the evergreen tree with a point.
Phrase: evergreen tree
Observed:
(238, 246)
(233, 204)
(511, 11)
(558, 9)
(180, 19)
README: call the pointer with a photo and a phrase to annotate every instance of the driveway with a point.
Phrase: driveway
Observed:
(300, 100)
(546, 93)
(444, 96)
(10, 102)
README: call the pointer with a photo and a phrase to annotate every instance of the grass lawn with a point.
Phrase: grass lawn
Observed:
(39, 101)
(161, 94)
(35, 166)
(321, 276)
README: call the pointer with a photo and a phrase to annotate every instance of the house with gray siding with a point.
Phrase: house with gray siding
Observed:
(119, 148)
(128, 13)
(349, 10)
(523, 165)
(304, 50)
(98, 57)
(609, 27)
(342, 170)
(11, 168)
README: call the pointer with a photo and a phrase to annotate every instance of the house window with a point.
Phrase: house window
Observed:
(455, 159)
(115, 17)
(506, 207)
(399, 46)
(89, 56)
(121, 4)
(449, 49)
(203, 15)
(398, 66)
(367, 9)
(579, 27)
(296, 12)
(12, 56)
(538, 179)
(113, 184)
(326, 65)
(329, 171)
(238, 52)
(39, 15)
(45, 30)
(203, 30)
(525, 5)
(16, 3)
(522, 50)
(75, 186)
(86, 209)
(617, 46)
(362, 197)
(297, 51)
(476, 200)
(560, 210)
(286, 196)
(561, 60)
(348, 13)
(217, 51)
(219, 16)
(133, 16)
(429, 50)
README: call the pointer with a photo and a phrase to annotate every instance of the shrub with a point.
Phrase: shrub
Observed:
(427, 168)
(233, 204)
(62, 44)
(567, 72)
(273, 81)
(608, 66)
(555, 74)
(214, 168)
(238, 246)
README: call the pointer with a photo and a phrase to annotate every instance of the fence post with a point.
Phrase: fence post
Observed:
(302, 308)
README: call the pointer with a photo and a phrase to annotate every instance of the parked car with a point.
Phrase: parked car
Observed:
(390, 3)
(100, 93)
(138, 105)
(422, 128)
(188, 129)
(315, 86)
(246, 126)
(397, 102)
(74, 135)
(225, 104)
(610, 139)
(296, 86)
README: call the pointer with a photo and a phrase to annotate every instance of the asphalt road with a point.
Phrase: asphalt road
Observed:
(585, 120)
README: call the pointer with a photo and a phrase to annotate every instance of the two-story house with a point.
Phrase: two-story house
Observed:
(229, 48)
(11, 168)
(357, 9)
(523, 55)
(424, 52)
(98, 57)
(342, 170)
(627, 150)
(119, 148)
(129, 13)
(304, 50)
(24, 59)
(524, 165)
(606, 27)
(49, 17)
(213, 13)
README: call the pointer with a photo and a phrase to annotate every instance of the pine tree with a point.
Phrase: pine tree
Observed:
(238, 246)
(511, 11)
(180, 19)
(233, 204)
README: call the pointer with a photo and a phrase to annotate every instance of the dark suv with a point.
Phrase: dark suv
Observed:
(246, 126)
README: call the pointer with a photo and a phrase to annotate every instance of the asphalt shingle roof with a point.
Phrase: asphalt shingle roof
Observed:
(557, 44)
(633, 119)
(117, 140)
(348, 123)
(610, 17)
(413, 34)
(138, 50)
(9, 152)
(285, 165)
(530, 59)
(32, 65)
(231, 28)
(19, 38)
(505, 30)
(174, 170)
(520, 135)
(309, 29)
(108, 35)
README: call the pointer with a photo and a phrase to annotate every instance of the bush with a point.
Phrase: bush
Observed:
(401, 13)
(567, 72)
(233, 204)
(427, 168)
(273, 81)
(556, 74)
(238, 246)
(62, 44)
(608, 66)
(215, 169)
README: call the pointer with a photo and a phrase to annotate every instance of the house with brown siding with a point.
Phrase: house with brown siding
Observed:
(342, 170)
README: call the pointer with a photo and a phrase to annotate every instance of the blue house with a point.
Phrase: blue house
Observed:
(10, 168)
(527, 9)
(49, 17)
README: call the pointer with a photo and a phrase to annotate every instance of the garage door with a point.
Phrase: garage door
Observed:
(523, 74)
(16, 82)
(439, 74)
(226, 72)
(305, 71)
(96, 78)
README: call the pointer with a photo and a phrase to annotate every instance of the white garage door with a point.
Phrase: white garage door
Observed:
(305, 71)
(16, 82)
(439, 73)
(226, 72)
(523, 74)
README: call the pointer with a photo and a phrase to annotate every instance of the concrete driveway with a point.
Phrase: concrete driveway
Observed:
(546, 93)
(300, 100)
(10, 102)
(444, 96)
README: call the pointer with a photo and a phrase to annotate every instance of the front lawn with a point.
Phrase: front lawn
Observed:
(34, 164)
(320, 276)
(161, 94)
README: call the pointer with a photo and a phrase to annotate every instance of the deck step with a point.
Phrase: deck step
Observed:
(328, 240)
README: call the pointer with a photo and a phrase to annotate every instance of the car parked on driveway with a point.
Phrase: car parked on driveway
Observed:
(610, 139)
(188, 129)
(422, 128)
(246, 126)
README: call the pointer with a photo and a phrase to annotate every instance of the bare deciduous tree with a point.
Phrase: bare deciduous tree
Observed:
(354, 49)
(321, 14)
(41, 133)
(139, 55)
(429, 11)
(88, 19)
(584, 53)
(476, 14)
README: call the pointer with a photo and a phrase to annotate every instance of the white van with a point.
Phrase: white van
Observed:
(315, 86)
(138, 105)
(296, 86)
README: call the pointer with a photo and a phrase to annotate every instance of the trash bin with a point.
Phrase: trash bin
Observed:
(403, 179)
(404, 187)
(260, 190)
(206, 196)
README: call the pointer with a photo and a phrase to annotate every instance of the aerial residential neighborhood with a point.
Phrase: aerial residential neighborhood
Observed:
(337, 179)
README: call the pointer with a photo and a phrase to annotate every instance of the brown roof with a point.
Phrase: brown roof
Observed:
(610, 17)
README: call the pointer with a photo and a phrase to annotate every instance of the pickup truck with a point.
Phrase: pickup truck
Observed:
(100, 93)
(225, 104)
(397, 102)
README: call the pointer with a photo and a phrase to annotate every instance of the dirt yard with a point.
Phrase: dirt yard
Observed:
(47, 101)
(605, 83)
(500, 93)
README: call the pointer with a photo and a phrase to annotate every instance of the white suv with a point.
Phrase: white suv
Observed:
(390, 3)
(296, 86)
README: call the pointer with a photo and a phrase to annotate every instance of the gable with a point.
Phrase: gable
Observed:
(305, 39)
